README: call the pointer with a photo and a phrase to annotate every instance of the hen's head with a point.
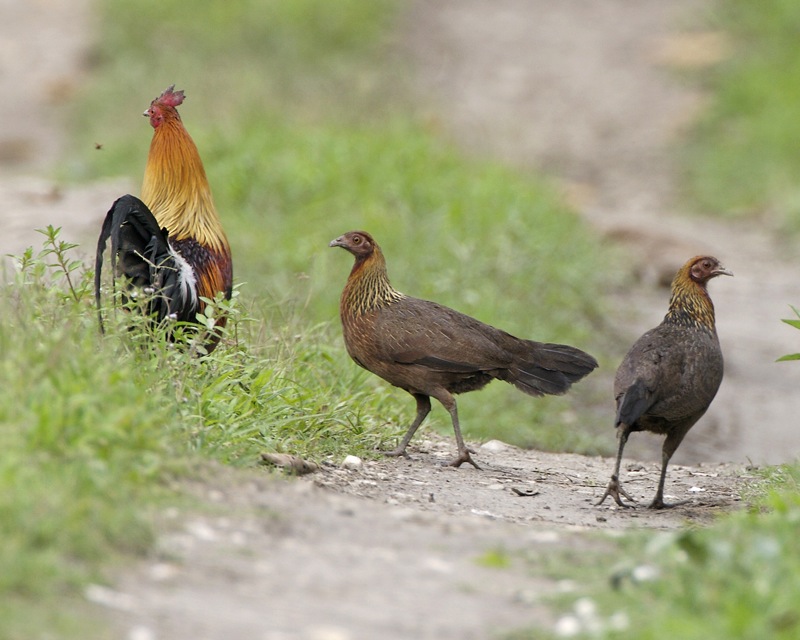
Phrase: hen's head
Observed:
(163, 107)
(701, 269)
(359, 243)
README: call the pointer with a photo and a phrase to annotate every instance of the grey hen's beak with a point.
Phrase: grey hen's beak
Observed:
(722, 271)
(339, 242)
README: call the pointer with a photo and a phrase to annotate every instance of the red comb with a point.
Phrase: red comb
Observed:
(170, 98)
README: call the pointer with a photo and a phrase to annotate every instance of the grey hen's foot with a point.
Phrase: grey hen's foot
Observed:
(461, 459)
(658, 503)
(614, 489)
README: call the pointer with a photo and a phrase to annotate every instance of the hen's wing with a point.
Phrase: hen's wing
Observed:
(414, 331)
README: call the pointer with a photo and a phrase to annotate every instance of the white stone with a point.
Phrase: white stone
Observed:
(495, 446)
(107, 597)
(354, 463)
(141, 633)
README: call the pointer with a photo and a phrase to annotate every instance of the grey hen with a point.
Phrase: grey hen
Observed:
(671, 374)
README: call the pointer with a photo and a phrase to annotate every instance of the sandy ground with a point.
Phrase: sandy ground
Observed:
(581, 89)
(393, 550)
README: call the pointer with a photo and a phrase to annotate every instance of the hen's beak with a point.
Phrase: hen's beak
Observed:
(722, 271)
(339, 242)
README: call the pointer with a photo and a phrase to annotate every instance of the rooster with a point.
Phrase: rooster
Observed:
(170, 243)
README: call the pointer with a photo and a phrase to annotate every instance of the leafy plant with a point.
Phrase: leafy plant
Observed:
(792, 322)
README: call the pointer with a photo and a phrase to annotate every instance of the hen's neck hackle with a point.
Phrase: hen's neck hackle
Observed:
(176, 189)
(690, 304)
(368, 287)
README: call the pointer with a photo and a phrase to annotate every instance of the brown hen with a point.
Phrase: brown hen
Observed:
(433, 351)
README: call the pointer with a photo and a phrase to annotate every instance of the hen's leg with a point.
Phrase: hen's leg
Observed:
(671, 443)
(614, 488)
(423, 409)
(449, 403)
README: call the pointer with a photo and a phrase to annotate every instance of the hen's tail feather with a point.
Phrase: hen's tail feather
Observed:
(140, 251)
(633, 404)
(549, 369)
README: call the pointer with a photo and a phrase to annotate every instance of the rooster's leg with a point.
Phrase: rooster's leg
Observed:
(614, 488)
(423, 409)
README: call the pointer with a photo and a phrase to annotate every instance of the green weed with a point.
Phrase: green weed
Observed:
(792, 322)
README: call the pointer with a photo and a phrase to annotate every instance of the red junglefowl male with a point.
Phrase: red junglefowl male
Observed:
(671, 374)
(171, 242)
(432, 351)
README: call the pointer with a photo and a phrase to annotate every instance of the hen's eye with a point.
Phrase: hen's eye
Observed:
(356, 240)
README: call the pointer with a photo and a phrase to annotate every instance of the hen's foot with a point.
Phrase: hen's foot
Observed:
(614, 489)
(397, 453)
(462, 457)
(658, 503)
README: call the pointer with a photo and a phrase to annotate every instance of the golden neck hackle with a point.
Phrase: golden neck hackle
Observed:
(176, 189)
(690, 304)
(368, 287)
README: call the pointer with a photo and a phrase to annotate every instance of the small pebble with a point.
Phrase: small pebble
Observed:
(354, 463)
(162, 571)
(107, 597)
(495, 446)
(141, 633)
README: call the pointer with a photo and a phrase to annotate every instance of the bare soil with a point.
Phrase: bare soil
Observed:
(581, 89)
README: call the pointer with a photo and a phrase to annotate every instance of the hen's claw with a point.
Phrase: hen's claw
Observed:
(614, 489)
(461, 458)
(397, 453)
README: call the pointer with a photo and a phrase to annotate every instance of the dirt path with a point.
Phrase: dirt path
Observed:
(586, 91)
(50, 36)
(394, 550)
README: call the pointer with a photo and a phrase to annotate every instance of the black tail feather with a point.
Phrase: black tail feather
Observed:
(141, 252)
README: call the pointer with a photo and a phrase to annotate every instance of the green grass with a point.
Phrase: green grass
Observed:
(735, 579)
(742, 159)
(96, 431)
(85, 448)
